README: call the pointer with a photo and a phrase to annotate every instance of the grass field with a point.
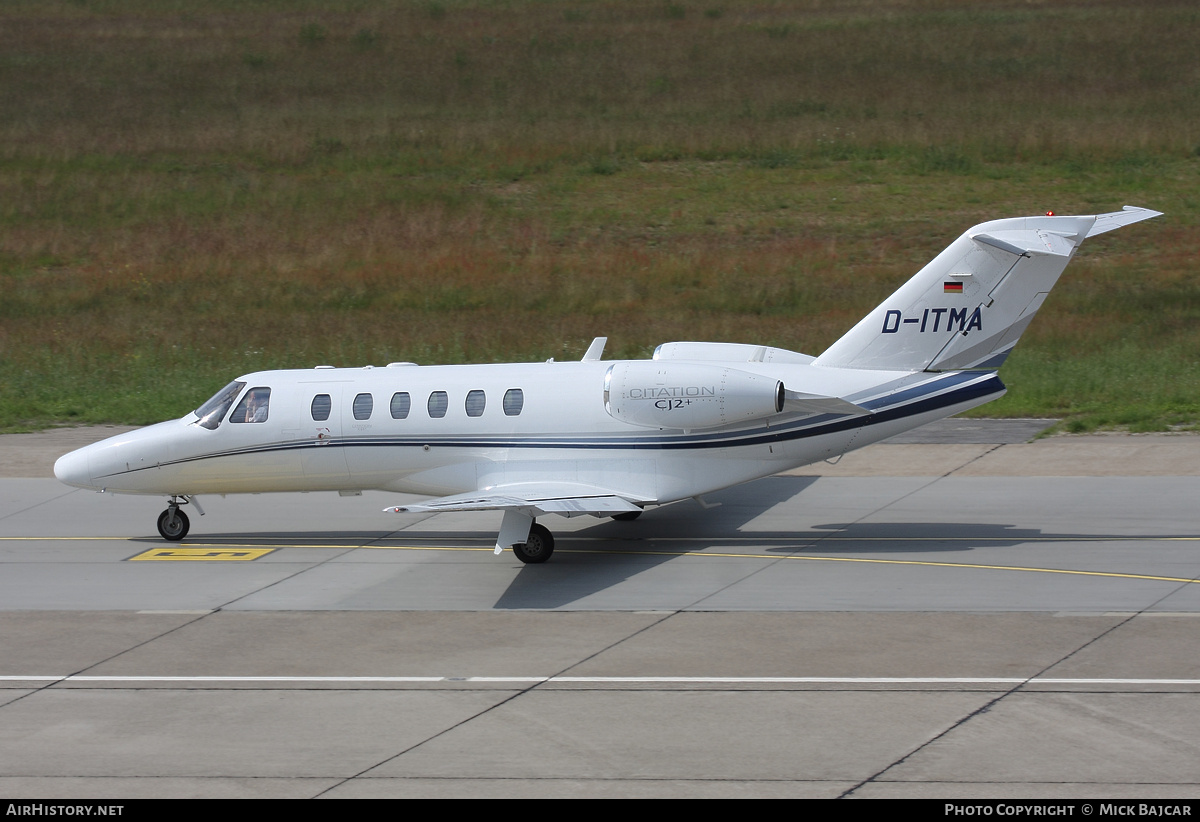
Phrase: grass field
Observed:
(192, 190)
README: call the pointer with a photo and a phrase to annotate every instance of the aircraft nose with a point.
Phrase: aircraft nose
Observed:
(73, 469)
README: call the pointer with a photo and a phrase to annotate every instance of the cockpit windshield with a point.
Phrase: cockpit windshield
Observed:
(213, 411)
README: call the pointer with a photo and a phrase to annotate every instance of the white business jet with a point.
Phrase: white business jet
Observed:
(607, 439)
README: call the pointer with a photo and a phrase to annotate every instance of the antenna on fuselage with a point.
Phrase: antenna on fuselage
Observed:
(595, 350)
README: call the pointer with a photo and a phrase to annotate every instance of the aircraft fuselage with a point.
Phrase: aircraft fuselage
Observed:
(561, 433)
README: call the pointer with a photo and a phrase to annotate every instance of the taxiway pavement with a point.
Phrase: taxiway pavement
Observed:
(969, 618)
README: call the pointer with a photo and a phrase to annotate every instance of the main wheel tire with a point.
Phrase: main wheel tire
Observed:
(173, 524)
(627, 516)
(538, 546)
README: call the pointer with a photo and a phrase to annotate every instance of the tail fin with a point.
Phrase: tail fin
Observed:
(967, 308)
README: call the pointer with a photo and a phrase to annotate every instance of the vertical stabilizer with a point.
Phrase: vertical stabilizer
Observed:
(967, 308)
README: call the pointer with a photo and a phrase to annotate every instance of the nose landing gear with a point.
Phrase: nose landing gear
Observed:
(173, 524)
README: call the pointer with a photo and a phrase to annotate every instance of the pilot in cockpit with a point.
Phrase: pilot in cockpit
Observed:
(257, 401)
(253, 407)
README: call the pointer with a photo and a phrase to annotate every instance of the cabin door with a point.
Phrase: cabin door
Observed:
(319, 427)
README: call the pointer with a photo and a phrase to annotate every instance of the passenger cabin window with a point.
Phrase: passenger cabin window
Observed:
(213, 411)
(363, 404)
(401, 403)
(438, 403)
(253, 407)
(320, 407)
(514, 401)
(475, 402)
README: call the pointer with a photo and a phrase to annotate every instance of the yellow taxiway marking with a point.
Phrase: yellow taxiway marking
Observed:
(62, 539)
(928, 563)
(739, 539)
(723, 555)
(1003, 568)
(224, 554)
(234, 551)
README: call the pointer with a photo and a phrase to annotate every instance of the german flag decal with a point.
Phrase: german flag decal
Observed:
(952, 288)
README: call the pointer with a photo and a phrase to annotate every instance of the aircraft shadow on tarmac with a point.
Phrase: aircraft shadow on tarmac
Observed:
(906, 537)
(621, 550)
(616, 551)
(613, 552)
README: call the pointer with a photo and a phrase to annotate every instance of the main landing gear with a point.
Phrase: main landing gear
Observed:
(173, 524)
(538, 546)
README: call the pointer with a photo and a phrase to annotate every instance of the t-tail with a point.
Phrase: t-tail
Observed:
(967, 308)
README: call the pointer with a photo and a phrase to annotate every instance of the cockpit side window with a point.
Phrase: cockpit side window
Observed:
(213, 411)
(253, 407)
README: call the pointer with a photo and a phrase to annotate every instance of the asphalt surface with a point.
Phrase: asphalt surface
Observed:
(970, 619)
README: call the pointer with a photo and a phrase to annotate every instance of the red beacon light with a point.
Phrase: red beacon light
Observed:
(1049, 213)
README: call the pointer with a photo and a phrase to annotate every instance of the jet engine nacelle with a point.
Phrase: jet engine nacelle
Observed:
(688, 395)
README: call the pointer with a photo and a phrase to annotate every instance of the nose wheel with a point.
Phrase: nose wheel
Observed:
(172, 523)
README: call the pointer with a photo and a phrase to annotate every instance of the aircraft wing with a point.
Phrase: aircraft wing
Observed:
(534, 499)
(522, 503)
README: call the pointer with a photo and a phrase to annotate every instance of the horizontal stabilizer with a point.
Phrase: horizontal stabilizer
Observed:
(1118, 219)
(1025, 243)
